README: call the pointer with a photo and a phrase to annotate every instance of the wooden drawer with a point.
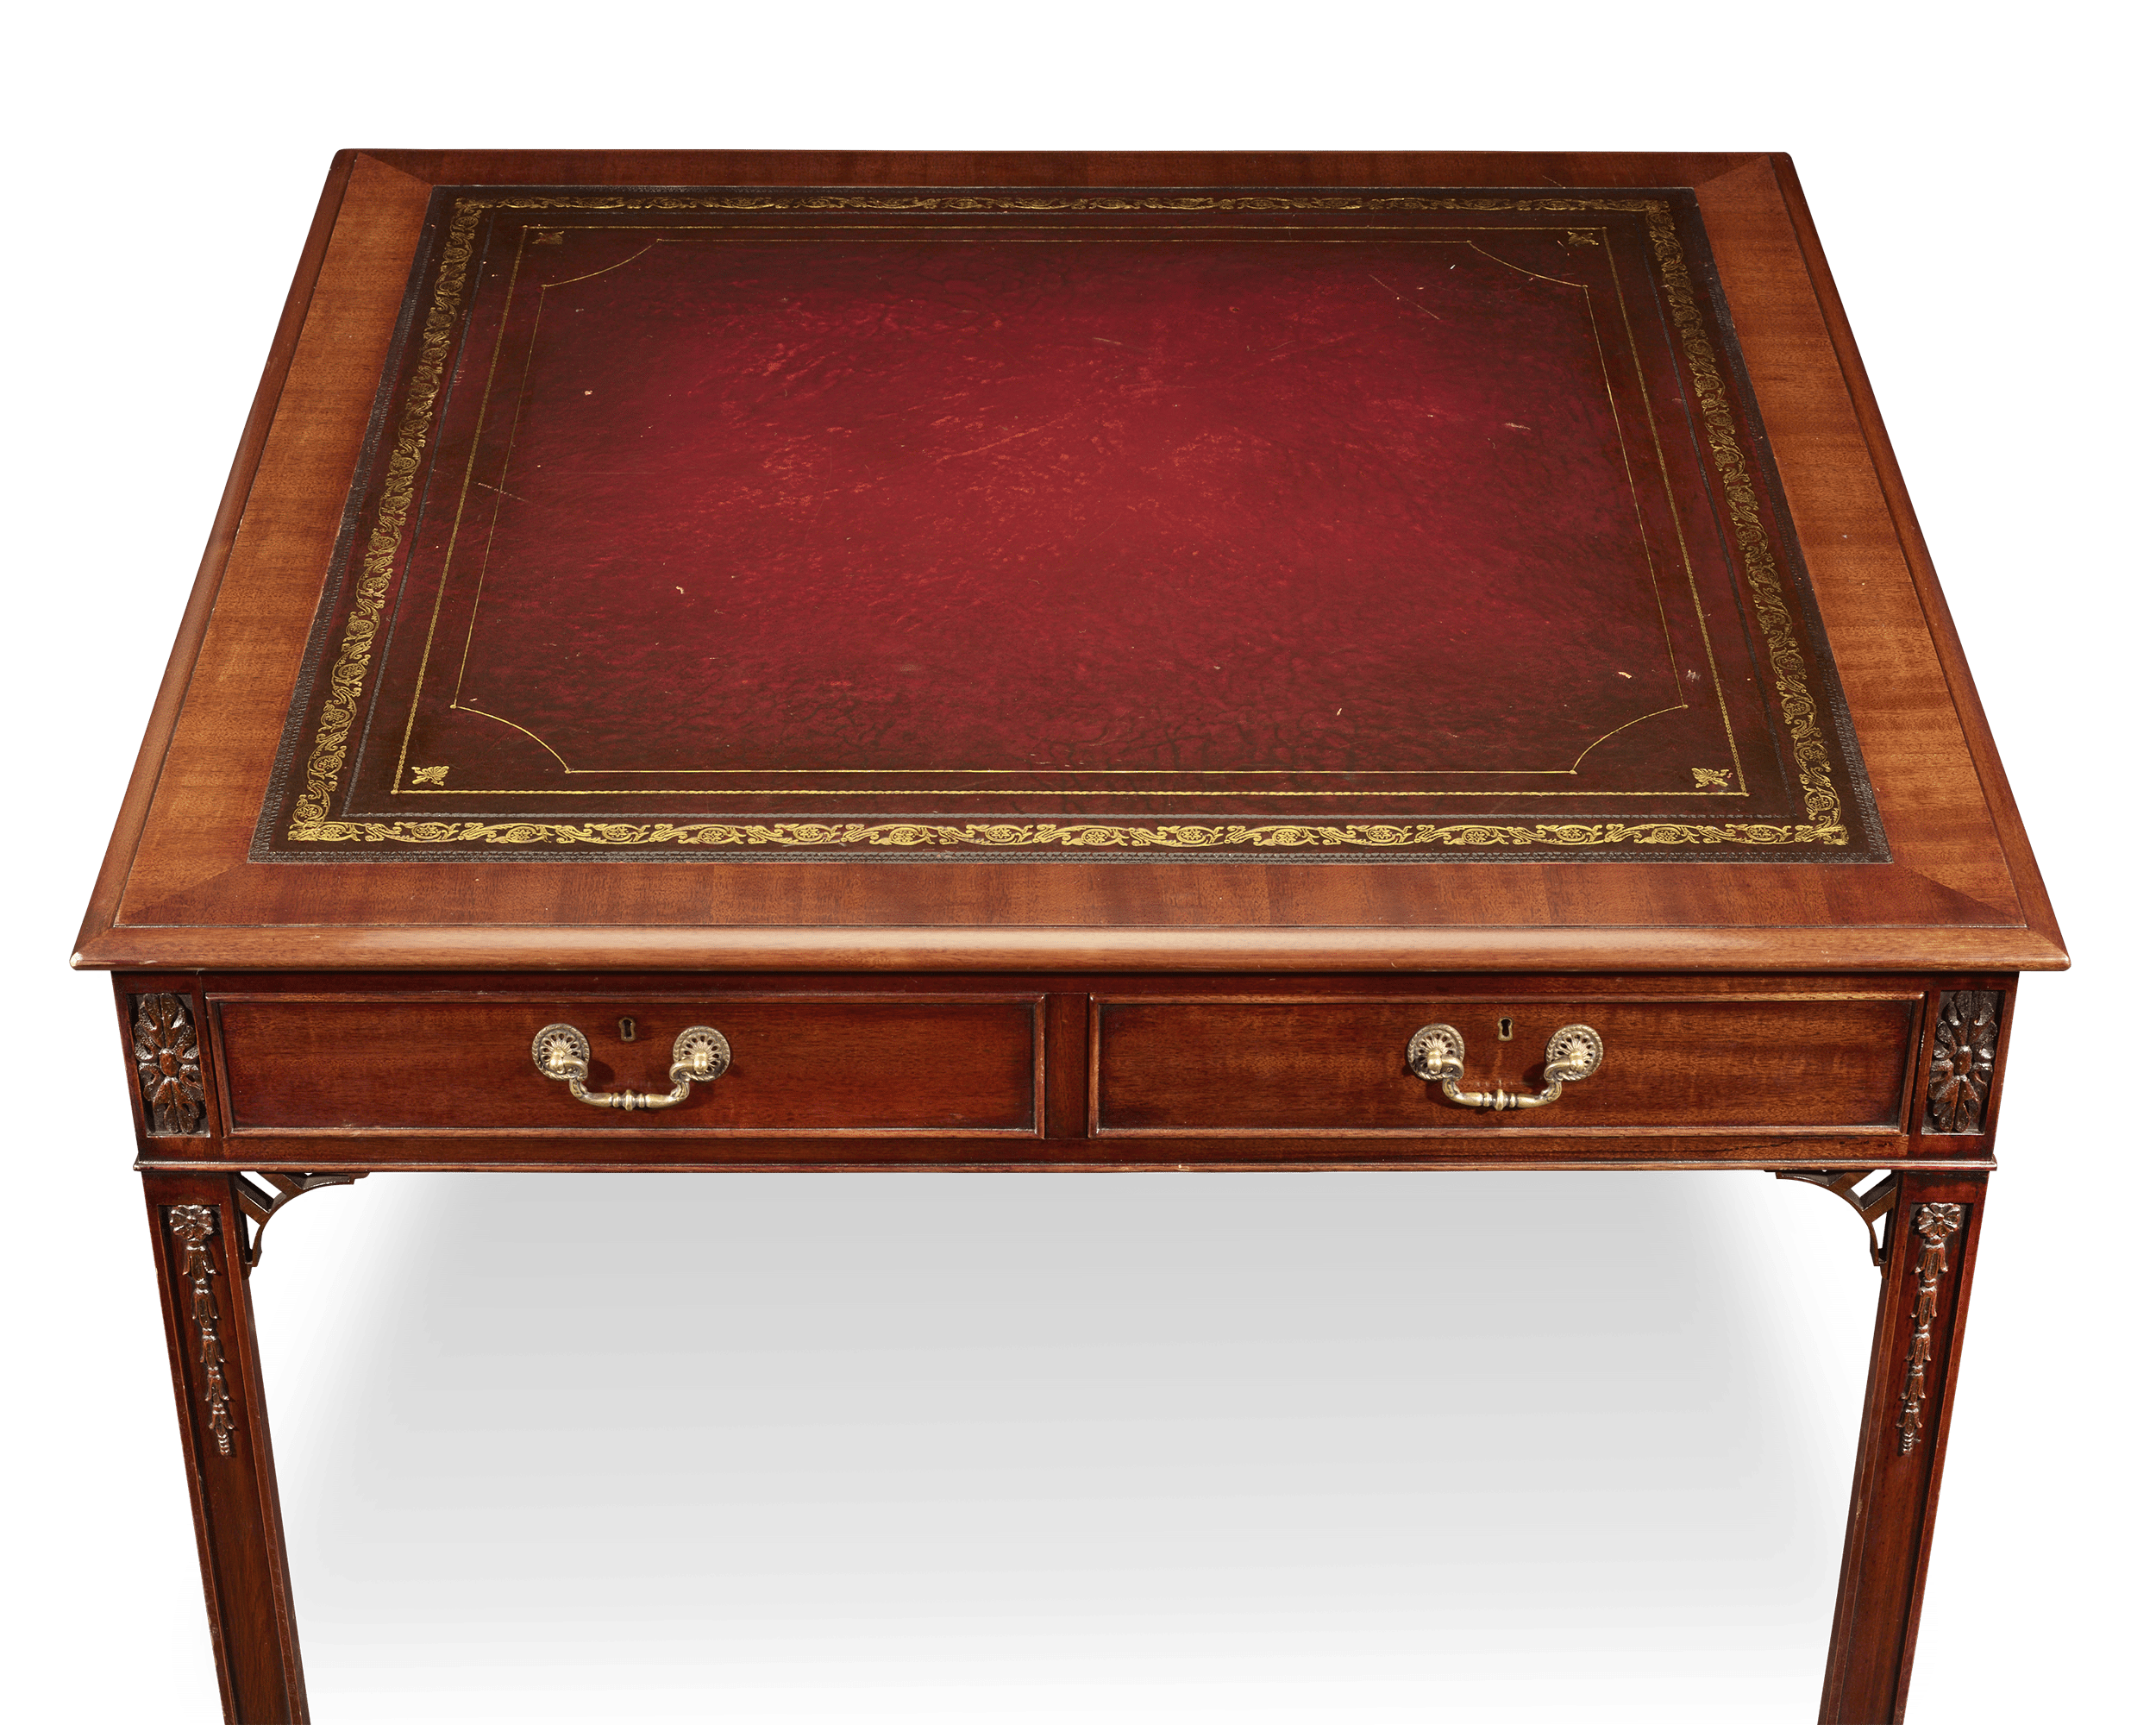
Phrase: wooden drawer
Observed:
(1309, 1068)
(859, 1063)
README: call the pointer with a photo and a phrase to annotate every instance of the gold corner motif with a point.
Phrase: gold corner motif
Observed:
(312, 823)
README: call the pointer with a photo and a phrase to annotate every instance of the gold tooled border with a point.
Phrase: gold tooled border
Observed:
(311, 822)
(1082, 836)
(311, 813)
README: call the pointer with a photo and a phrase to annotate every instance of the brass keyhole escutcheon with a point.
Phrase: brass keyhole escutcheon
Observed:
(628, 1030)
(1504, 1030)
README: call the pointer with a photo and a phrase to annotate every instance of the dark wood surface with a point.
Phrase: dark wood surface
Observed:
(1902, 1440)
(351, 1018)
(380, 1070)
(464, 1066)
(224, 1431)
(1334, 1067)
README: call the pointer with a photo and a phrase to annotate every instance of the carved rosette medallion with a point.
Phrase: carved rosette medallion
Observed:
(1964, 1047)
(192, 1226)
(1934, 1225)
(168, 1065)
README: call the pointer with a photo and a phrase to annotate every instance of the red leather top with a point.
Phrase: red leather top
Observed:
(1415, 524)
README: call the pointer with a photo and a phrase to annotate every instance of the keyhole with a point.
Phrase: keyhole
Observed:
(629, 1030)
(1504, 1030)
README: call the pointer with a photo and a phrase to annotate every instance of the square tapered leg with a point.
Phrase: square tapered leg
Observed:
(1916, 1348)
(198, 1237)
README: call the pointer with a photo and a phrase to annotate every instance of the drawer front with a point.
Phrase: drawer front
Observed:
(1173, 1067)
(867, 1065)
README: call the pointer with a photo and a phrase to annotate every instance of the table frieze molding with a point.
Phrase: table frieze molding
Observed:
(193, 1225)
(1965, 1047)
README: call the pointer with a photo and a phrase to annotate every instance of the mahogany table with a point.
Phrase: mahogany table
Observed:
(722, 661)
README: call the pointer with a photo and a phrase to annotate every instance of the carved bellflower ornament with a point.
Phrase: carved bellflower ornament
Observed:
(1935, 1224)
(192, 1225)
(168, 1063)
(1963, 1049)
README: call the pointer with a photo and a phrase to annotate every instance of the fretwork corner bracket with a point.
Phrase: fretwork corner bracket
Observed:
(1934, 1225)
(192, 1225)
(1965, 1044)
(260, 1204)
(168, 1067)
(1870, 1202)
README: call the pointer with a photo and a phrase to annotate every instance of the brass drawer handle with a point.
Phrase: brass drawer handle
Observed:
(1438, 1053)
(700, 1054)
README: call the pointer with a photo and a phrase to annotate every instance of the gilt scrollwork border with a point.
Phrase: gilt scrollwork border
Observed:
(311, 822)
(348, 672)
(1080, 835)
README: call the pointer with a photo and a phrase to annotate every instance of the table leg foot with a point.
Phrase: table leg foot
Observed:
(200, 1245)
(1930, 1252)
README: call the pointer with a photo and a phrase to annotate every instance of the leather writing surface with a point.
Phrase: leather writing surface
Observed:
(1286, 527)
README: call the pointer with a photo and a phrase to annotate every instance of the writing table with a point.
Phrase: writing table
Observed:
(754, 660)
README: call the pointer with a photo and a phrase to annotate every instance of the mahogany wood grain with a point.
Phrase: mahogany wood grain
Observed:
(1242, 949)
(1257, 1067)
(926, 979)
(239, 1528)
(2034, 900)
(172, 689)
(1958, 892)
(1065, 1062)
(1315, 169)
(315, 1063)
(1931, 796)
(333, 1072)
(927, 982)
(1896, 1498)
